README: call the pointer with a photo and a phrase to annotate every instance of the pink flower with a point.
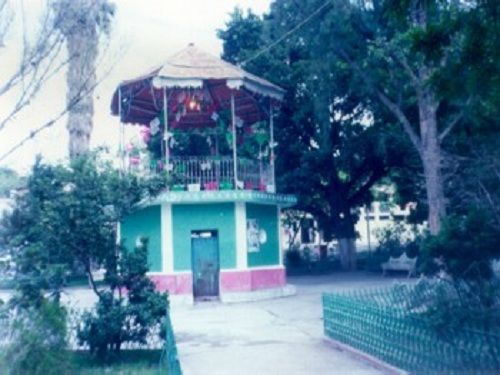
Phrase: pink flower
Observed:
(145, 134)
(135, 160)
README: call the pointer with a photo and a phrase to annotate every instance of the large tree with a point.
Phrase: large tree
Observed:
(404, 58)
(81, 21)
(401, 53)
(331, 147)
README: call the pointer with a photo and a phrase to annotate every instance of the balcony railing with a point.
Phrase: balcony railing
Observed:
(215, 173)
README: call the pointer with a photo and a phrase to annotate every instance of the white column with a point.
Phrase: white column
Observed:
(118, 232)
(271, 142)
(167, 239)
(235, 152)
(280, 235)
(165, 131)
(241, 235)
(122, 131)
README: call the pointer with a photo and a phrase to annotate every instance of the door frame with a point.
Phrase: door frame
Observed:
(205, 233)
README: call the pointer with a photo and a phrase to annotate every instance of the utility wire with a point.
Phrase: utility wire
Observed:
(288, 33)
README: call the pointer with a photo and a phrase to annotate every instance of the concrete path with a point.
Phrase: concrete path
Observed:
(281, 336)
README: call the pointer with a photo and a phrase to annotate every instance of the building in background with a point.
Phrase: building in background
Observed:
(304, 232)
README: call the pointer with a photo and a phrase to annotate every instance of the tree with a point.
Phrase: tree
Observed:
(67, 218)
(401, 53)
(243, 32)
(474, 149)
(332, 149)
(80, 22)
(9, 180)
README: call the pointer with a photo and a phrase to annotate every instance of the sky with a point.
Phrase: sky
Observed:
(144, 33)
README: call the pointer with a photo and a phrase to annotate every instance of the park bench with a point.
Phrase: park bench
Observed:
(401, 263)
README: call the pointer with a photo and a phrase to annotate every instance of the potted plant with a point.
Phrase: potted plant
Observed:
(196, 186)
(211, 185)
(226, 185)
(178, 187)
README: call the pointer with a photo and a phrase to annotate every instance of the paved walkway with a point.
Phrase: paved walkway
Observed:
(281, 336)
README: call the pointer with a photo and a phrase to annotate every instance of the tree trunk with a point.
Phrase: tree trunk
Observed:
(347, 247)
(431, 160)
(82, 42)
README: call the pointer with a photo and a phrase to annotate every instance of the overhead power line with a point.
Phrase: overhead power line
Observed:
(288, 33)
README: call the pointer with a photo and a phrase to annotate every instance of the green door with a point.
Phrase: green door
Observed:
(205, 256)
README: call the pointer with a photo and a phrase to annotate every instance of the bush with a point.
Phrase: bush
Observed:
(117, 319)
(36, 340)
(463, 248)
(393, 242)
(454, 308)
(293, 258)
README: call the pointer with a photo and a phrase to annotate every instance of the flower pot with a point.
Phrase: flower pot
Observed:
(226, 186)
(178, 187)
(212, 185)
(271, 188)
(194, 187)
(248, 185)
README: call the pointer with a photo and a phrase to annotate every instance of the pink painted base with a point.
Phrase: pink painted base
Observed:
(230, 281)
(174, 284)
(244, 281)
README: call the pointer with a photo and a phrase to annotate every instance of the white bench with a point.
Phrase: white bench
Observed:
(402, 263)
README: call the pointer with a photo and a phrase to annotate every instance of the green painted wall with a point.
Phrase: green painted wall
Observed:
(145, 223)
(189, 217)
(267, 219)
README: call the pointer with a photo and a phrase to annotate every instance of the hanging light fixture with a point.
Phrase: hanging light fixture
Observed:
(193, 104)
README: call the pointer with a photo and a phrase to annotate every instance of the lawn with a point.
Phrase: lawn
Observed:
(130, 362)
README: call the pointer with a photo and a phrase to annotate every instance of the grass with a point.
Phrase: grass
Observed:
(145, 362)
(8, 283)
(130, 362)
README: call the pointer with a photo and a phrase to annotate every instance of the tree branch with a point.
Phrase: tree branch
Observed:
(91, 280)
(34, 85)
(374, 177)
(404, 64)
(489, 199)
(51, 122)
(391, 105)
(453, 122)
(75, 100)
(398, 112)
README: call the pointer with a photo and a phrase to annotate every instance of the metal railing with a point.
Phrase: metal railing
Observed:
(371, 321)
(215, 172)
(169, 357)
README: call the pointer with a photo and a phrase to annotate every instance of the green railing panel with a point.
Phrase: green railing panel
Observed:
(377, 323)
(169, 358)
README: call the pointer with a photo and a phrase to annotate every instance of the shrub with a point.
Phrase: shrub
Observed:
(393, 242)
(36, 340)
(117, 319)
(457, 309)
(463, 248)
(293, 257)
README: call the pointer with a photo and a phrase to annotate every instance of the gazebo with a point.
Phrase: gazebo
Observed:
(207, 128)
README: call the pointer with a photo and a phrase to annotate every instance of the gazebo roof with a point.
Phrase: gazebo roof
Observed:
(192, 64)
(192, 68)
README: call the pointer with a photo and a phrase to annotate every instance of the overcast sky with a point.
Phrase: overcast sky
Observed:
(145, 32)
